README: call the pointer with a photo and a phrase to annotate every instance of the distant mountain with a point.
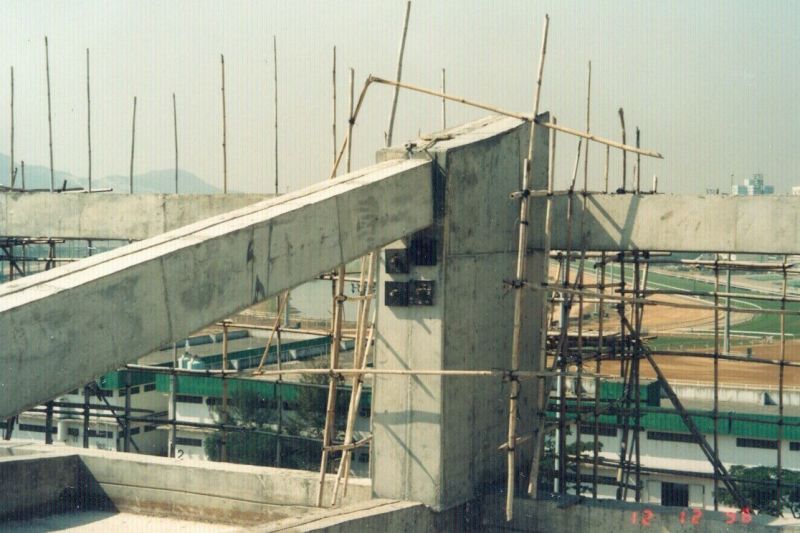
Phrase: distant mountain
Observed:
(157, 181)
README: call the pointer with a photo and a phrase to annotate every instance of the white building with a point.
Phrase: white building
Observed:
(753, 187)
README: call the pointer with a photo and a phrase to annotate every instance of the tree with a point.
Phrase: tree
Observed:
(758, 486)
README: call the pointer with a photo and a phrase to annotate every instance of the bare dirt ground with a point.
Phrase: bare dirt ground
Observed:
(661, 320)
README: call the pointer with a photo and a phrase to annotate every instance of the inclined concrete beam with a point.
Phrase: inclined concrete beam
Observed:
(65, 326)
(110, 216)
(679, 223)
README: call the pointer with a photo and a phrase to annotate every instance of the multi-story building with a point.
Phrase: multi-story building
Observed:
(753, 187)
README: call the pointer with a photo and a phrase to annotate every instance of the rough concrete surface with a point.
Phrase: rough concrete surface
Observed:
(96, 314)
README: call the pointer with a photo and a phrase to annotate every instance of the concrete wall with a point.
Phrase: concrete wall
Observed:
(32, 484)
(110, 216)
(685, 223)
(570, 515)
(436, 439)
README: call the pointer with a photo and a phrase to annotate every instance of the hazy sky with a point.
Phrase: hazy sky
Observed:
(712, 85)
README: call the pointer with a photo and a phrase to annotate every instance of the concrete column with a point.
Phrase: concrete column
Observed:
(436, 439)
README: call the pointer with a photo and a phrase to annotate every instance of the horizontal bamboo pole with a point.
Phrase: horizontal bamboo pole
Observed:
(721, 294)
(643, 301)
(343, 447)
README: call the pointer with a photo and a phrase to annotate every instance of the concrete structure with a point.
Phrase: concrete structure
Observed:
(435, 439)
(142, 296)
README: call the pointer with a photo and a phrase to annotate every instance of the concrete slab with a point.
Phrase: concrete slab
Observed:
(94, 315)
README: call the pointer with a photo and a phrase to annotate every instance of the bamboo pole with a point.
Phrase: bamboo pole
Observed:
(49, 114)
(89, 120)
(638, 162)
(224, 130)
(520, 116)
(224, 450)
(398, 75)
(133, 142)
(12, 171)
(22, 170)
(542, 385)
(331, 403)
(335, 144)
(781, 372)
(282, 305)
(350, 121)
(360, 362)
(588, 130)
(521, 268)
(624, 153)
(444, 102)
(175, 134)
(275, 76)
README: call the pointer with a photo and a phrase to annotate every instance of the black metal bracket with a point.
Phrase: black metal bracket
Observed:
(403, 294)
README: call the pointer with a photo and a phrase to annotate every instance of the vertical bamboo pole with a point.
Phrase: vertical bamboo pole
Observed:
(368, 268)
(89, 120)
(49, 114)
(12, 171)
(224, 450)
(351, 120)
(444, 102)
(542, 390)
(133, 142)
(173, 401)
(600, 341)
(624, 152)
(275, 76)
(224, 130)
(335, 147)
(338, 317)
(781, 383)
(588, 128)
(334, 364)
(522, 247)
(605, 171)
(22, 170)
(638, 162)
(398, 76)
(716, 381)
(175, 134)
(726, 341)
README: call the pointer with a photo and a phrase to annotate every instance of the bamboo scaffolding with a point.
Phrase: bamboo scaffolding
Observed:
(133, 142)
(398, 75)
(331, 403)
(521, 268)
(49, 114)
(520, 116)
(716, 385)
(360, 359)
(629, 300)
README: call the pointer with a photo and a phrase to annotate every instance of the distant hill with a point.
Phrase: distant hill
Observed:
(157, 181)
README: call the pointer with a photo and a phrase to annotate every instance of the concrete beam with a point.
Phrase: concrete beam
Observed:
(63, 327)
(679, 223)
(110, 216)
